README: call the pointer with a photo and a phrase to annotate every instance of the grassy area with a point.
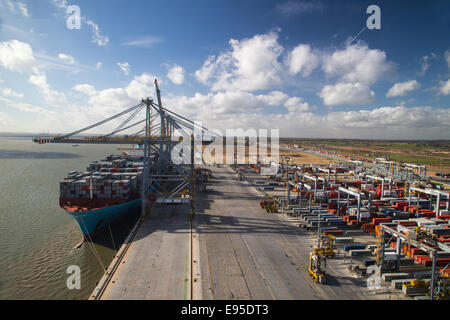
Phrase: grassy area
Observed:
(404, 145)
(434, 154)
(420, 160)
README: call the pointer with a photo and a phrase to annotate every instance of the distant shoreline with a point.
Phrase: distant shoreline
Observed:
(282, 139)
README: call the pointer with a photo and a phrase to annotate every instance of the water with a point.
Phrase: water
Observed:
(37, 238)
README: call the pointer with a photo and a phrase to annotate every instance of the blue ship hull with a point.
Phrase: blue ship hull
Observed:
(94, 221)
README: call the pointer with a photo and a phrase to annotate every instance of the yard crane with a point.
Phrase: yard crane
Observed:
(164, 181)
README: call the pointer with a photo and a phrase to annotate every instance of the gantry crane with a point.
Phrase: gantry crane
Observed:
(163, 180)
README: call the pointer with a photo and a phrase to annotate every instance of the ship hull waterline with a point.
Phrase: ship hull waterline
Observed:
(93, 222)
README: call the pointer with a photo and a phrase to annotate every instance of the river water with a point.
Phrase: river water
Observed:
(37, 238)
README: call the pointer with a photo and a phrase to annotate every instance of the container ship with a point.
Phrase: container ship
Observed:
(108, 189)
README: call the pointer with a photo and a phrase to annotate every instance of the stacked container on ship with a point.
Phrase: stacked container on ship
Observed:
(110, 188)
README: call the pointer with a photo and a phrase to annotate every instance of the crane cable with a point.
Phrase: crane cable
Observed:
(101, 122)
(119, 128)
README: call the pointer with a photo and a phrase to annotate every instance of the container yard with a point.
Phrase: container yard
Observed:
(353, 229)
(360, 227)
(400, 226)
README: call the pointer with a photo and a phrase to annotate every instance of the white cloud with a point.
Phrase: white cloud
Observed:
(9, 4)
(445, 88)
(16, 56)
(357, 63)
(207, 70)
(61, 3)
(290, 8)
(347, 93)
(23, 9)
(251, 64)
(141, 86)
(61, 63)
(85, 88)
(143, 42)
(113, 100)
(66, 58)
(219, 111)
(392, 118)
(51, 97)
(216, 105)
(125, 67)
(275, 98)
(176, 74)
(296, 104)
(302, 60)
(19, 7)
(425, 64)
(97, 38)
(7, 92)
(99, 65)
(402, 88)
(356, 67)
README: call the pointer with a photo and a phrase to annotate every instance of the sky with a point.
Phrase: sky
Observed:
(312, 69)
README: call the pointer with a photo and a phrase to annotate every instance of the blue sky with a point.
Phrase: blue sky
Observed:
(290, 65)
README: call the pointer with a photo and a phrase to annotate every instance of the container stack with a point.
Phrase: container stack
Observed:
(114, 177)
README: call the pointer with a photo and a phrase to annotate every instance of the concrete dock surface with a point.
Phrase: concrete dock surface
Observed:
(247, 253)
(156, 265)
(240, 251)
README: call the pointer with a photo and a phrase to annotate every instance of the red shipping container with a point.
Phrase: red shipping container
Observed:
(416, 251)
(426, 261)
(419, 258)
(333, 232)
(430, 214)
(377, 221)
(332, 205)
(401, 205)
(407, 223)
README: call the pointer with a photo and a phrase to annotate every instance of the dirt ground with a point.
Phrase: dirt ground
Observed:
(306, 158)
(300, 158)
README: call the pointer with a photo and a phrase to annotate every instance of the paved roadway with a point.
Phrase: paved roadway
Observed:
(157, 263)
(246, 253)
